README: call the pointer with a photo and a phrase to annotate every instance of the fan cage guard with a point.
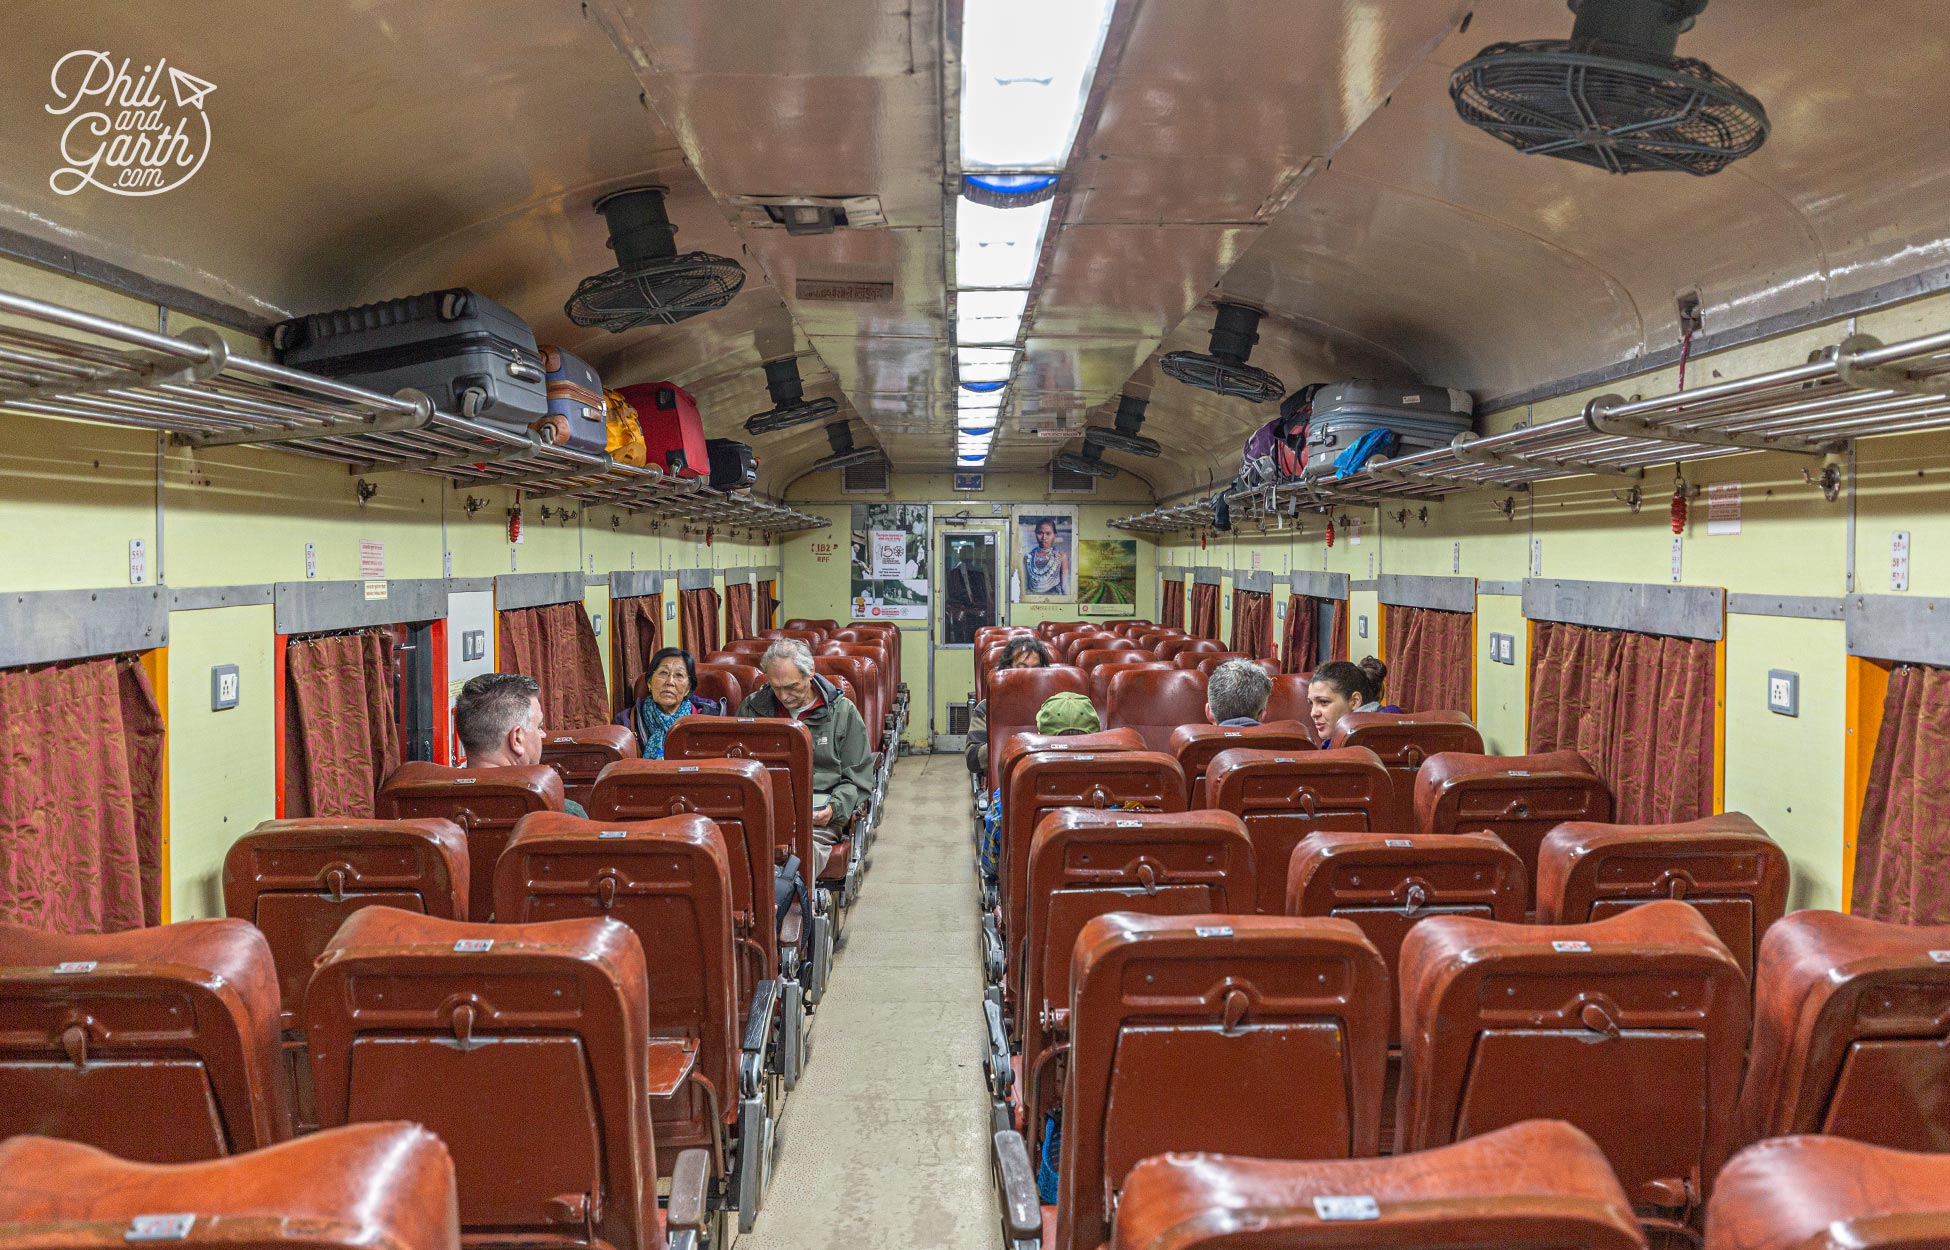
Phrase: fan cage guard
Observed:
(1609, 106)
(790, 416)
(663, 294)
(1222, 377)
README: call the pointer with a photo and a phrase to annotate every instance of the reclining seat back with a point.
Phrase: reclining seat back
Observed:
(751, 648)
(737, 796)
(154, 1044)
(1725, 866)
(1829, 1193)
(1519, 798)
(1085, 640)
(521, 1046)
(1015, 695)
(484, 802)
(297, 881)
(863, 674)
(1254, 1035)
(1084, 864)
(362, 1186)
(1206, 661)
(880, 650)
(1632, 1028)
(1121, 662)
(670, 881)
(784, 747)
(1851, 1018)
(826, 623)
(1092, 658)
(1537, 1184)
(1019, 745)
(579, 754)
(722, 683)
(1387, 885)
(1155, 702)
(888, 636)
(1196, 745)
(1043, 781)
(1289, 701)
(1404, 741)
(1284, 796)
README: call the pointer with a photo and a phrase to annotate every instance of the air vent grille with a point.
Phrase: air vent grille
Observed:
(958, 720)
(864, 479)
(1064, 482)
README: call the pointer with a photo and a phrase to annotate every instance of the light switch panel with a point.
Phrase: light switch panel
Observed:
(223, 687)
(1362, 622)
(473, 645)
(1783, 692)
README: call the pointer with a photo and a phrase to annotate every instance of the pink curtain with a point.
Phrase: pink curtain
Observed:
(1430, 661)
(341, 725)
(1902, 852)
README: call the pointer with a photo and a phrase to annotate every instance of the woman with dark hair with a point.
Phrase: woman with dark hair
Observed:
(670, 694)
(1339, 687)
(1022, 651)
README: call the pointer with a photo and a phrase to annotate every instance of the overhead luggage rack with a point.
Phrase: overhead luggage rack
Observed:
(1859, 388)
(59, 362)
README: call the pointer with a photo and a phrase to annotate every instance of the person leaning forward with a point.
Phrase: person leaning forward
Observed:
(842, 760)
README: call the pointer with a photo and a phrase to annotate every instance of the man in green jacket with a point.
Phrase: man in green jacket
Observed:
(842, 760)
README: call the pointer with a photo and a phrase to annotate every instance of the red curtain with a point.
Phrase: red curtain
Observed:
(80, 797)
(738, 611)
(697, 620)
(1640, 708)
(341, 723)
(1337, 645)
(767, 611)
(1902, 853)
(636, 632)
(1171, 608)
(1205, 611)
(1429, 660)
(556, 645)
(1252, 623)
(1300, 648)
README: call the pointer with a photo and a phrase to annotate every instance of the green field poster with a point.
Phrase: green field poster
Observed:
(1107, 576)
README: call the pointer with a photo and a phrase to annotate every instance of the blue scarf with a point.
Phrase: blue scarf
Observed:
(652, 723)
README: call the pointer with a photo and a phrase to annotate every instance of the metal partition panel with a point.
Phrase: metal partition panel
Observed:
(696, 579)
(1676, 611)
(321, 607)
(634, 583)
(1208, 575)
(1317, 584)
(1259, 580)
(1445, 594)
(536, 590)
(1897, 627)
(49, 626)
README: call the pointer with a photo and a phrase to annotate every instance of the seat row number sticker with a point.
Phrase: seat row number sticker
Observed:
(473, 946)
(1571, 948)
(159, 1227)
(74, 966)
(1942, 957)
(1217, 930)
(1346, 1207)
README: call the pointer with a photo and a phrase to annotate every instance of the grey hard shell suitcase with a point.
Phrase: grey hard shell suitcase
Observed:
(472, 356)
(1424, 418)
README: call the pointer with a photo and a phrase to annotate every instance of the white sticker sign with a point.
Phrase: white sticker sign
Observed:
(1723, 508)
(1942, 957)
(1571, 948)
(473, 946)
(613, 833)
(1678, 556)
(1397, 842)
(1216, 930)
(160, 1227)
(889, 554)
(1130, 824)
(372, 559)
(1347, 1207)
(1899, 560)
(74, 967)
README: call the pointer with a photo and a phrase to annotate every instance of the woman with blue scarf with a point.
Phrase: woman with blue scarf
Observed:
(672, 679)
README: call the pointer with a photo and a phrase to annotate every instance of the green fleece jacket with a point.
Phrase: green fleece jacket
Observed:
(842, 760)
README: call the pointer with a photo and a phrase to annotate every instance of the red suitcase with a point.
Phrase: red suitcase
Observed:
(672, 431)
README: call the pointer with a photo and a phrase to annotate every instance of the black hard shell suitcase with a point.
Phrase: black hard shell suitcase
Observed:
(1424, 418)
(577, 416)
(472, 356)
(734, 466)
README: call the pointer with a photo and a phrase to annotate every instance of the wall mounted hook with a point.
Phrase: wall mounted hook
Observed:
(1631, 498)
(1829, 479)
(474, 504)
(1508, 507)
(366, 491)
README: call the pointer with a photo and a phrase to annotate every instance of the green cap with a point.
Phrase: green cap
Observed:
(1067, 713)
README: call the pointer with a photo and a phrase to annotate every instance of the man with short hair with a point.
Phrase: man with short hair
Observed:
(499, 719)
(1236, 694)
(842, 760)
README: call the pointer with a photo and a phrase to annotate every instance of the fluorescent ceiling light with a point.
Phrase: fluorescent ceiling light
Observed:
(989, 403)
(984, 364)
(998, 247)
(1026, 67)
(989, 316)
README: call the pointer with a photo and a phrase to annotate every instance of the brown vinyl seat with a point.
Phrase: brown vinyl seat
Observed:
(1631, 1028)
(1206, 661)
(1121, 662)
(864, 674)
(523, 1046)
(1519, 798)
(1023, 744)
(1283, 796)
(1253, 1035)
(986, 658)
(160, 1045)
(1403, 742)
(1075, 644)
(1172, 648)
(484, 802)
(1154, 702)
(1015, 695)
(579, 754)
(1083, 864)
(1388, 883)
(1540, 1183)
(890, 637)
(722, 683)
(1289, 700)
(1830, 1193)
(736, 794)
(749, 676)
(784, 747)
(1196, 745)
(1043, 781)
(1725, 866)
(1850, 1021)
(811, 637)
(748, 648)
(353, 1188)
(826, 623)
(1091, 659)
(669, 880)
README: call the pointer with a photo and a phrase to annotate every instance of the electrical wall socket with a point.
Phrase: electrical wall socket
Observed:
(473, 645)
(670, 610)
(224, 684)
(1503, 648)
(596, 624)
(1783, 692)
(1361, 623)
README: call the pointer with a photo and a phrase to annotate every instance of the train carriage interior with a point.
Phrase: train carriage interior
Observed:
(1317, 620)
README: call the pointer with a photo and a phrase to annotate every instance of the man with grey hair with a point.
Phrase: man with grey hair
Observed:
(842, 761)
(1236, 694)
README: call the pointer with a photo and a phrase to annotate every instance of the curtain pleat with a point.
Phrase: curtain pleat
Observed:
(767, 611)
(638, 625)
(697, 620)
(1429, 660)
(556, 645)
(80, 790)
(341, 728)
(1171, 609)
(1300, 647)
(738, 611)
(1337, 645)
(1252, 623)
(1640, 708)
(1205, 611)
(1902, 851)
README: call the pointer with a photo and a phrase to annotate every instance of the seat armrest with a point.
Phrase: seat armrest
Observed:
(1015, 1180)
(1002, 1074)
(994, 961)
(792, 928)
(755, 1053)
(689, 1183)
(672, 1060)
